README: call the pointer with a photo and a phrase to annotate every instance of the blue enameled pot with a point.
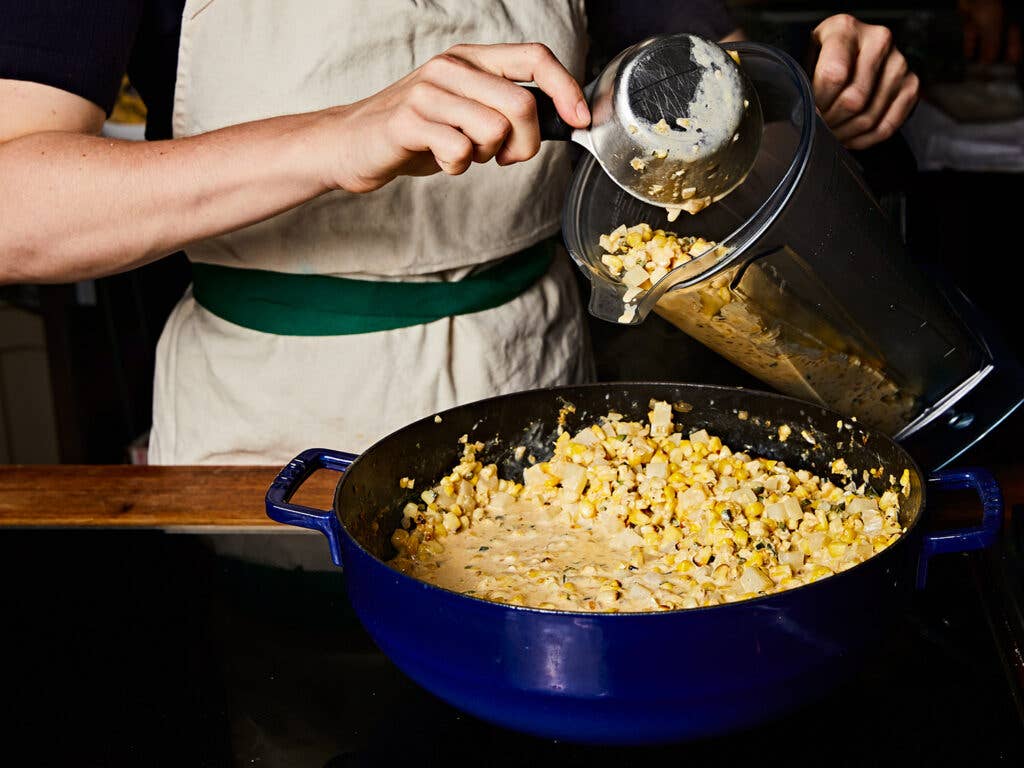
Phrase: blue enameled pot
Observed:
(627, 678)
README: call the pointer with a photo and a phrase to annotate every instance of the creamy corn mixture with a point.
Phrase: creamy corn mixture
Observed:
(630, 516)
(640, 256)
(811, 360)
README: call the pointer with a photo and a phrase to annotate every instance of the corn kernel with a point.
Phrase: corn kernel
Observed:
(753, 509)
(671, 535)
(703, 556)
(837, 549)
(638, 517)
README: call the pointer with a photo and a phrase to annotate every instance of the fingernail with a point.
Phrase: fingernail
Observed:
(582, 111)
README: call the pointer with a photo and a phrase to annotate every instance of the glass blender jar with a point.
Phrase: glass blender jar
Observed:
(813, 291)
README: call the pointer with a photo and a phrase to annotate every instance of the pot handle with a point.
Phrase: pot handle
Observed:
(289, 480)
(964, 539)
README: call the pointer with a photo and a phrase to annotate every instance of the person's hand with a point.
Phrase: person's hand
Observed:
(459, 108)
(988, 38)
(863, 87)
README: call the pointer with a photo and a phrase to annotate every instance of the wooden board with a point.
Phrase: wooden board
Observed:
(212, 498)
(126, 496)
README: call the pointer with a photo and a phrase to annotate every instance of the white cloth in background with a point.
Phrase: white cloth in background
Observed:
(941, 143)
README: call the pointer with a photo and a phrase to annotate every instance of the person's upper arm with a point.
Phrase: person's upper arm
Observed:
(61, 63)
(27, 107)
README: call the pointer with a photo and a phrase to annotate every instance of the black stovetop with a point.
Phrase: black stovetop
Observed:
(141, 649)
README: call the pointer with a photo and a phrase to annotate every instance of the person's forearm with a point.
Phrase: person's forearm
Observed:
(74, 206)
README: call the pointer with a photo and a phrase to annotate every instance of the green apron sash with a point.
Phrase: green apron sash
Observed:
(317, 305)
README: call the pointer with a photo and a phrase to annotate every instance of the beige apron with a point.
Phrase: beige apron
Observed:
(225, 394)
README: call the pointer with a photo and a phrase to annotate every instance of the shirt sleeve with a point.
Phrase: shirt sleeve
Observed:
(79, 46)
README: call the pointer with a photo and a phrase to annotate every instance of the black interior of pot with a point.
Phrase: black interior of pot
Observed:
(369, 500)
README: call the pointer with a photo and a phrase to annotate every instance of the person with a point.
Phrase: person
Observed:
(360, 187)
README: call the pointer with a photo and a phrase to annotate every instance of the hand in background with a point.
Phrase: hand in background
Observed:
(863, 87)
(987, 34)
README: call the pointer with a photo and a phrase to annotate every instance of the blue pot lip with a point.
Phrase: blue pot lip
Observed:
(353, 543)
